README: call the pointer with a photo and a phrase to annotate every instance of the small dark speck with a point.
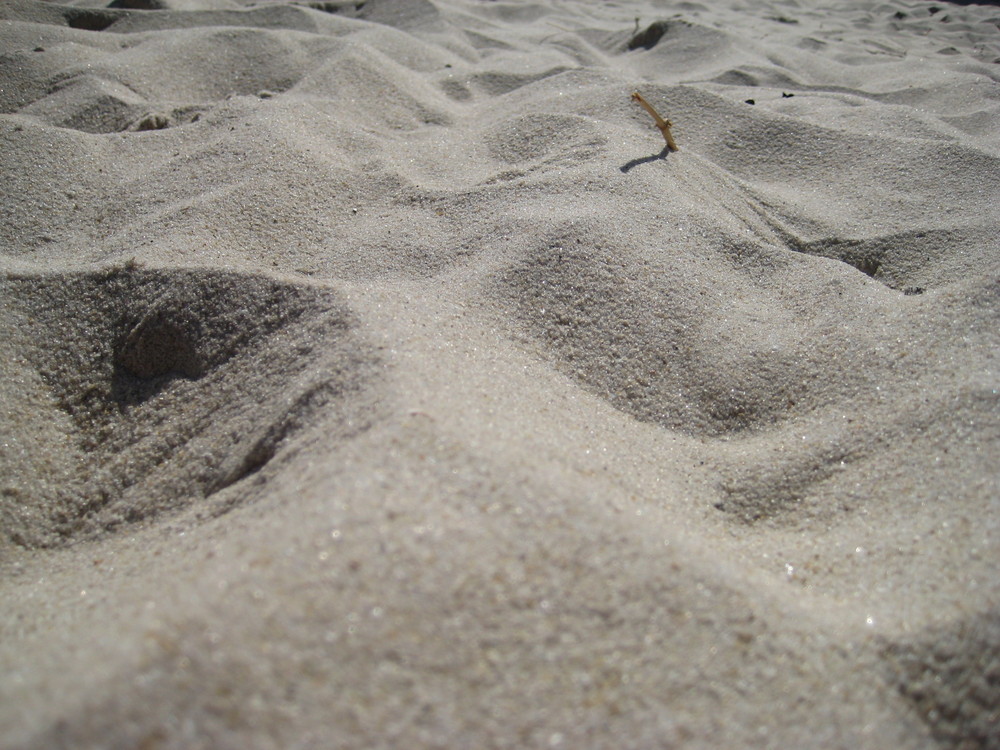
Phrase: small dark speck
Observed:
(750, 101)
(447, 65)
(784, 19)
(786, 95)
(39, 49)
(900, 15)
(910, 290)
(933, 9)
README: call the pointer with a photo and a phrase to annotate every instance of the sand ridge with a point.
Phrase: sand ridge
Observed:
(373, 376)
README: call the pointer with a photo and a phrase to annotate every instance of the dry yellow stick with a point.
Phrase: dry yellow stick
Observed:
(663, 125)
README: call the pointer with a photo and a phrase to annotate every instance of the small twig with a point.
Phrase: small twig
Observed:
(663, 125)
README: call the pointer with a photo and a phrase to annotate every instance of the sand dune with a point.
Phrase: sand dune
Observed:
(373, 376)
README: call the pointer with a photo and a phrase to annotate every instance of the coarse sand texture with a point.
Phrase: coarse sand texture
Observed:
(376, 374)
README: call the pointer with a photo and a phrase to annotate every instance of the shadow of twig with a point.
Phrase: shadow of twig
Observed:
(645, 160)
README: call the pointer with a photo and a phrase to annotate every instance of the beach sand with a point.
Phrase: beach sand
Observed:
(372, 376)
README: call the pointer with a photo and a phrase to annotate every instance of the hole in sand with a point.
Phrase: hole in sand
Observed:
(648, 37)
(148, 390)
(161, 344)
(90, 19)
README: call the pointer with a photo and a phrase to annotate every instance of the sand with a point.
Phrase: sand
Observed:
(372, 376)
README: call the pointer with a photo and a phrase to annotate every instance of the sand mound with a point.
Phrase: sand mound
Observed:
(374, 376)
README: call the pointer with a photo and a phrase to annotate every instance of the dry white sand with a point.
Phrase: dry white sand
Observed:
(372, 377)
